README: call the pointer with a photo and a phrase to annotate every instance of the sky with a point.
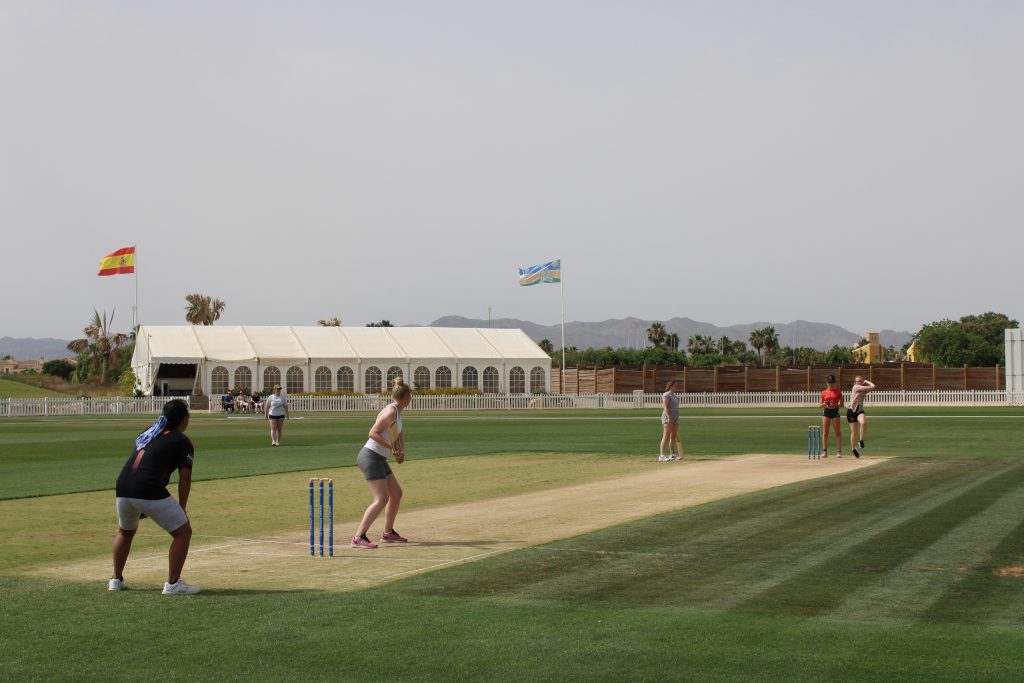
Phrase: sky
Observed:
(857, 163)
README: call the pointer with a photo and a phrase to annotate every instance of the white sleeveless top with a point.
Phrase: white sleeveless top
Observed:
(393, 432)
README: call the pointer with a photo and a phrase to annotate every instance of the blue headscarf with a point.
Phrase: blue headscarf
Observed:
(145, 437)
(174, 412)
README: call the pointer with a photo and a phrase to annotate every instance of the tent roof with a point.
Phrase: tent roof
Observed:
(241, 343)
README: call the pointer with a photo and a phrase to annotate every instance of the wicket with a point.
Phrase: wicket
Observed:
(330, 515)
(813, 442)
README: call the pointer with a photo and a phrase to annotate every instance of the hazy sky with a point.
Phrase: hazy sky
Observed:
(857, 163)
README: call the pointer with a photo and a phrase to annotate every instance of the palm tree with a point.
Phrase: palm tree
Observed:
(546, 346)
(202, 309)
(757, 341)
(102, 346)
(672, 341)
(656, 334)
(700, 343)
(771, 342)
(332, 322)
(382, 323)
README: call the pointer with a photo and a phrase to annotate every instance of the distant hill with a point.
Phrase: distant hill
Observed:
(632, 332)
(30, 349)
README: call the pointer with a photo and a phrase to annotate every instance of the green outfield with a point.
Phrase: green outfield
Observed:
(912, 569)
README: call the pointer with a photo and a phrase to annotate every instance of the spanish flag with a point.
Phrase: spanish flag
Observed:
(119, 262)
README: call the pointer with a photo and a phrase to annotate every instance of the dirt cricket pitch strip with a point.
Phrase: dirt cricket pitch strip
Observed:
(446, 535)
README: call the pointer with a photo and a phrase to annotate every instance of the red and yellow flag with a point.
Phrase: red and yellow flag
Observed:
(118, 263)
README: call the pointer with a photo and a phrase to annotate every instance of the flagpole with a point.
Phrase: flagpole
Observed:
(561, 294)
(135, 272)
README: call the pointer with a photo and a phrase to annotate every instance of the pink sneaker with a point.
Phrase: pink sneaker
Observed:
(362, 542)
(392, 537)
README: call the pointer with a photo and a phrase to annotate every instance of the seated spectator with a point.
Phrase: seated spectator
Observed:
(242, 402)
(257, 401)
(229, 402)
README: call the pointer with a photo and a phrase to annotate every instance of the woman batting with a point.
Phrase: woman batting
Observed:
(385, 438)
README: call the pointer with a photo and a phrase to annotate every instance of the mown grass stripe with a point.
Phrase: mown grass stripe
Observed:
(919, 583)
(990, 589)
(822, 588)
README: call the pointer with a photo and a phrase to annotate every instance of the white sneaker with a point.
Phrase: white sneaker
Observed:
(179, 587)
(662, 458)
(116, 585)
(673, 458)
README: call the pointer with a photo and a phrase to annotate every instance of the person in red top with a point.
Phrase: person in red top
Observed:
(831, 402)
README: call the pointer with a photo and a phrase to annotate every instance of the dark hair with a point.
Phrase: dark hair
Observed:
(175, 411)
(831, 379)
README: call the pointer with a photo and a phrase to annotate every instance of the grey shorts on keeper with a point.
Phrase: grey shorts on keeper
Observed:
(374, 465)
(166, 512)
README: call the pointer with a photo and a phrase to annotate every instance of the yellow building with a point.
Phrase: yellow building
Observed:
(871, 352)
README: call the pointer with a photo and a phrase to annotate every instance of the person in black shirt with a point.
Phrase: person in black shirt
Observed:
(142, 492)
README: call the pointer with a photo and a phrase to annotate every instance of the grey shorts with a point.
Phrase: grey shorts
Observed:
(374, 465)
(166, 512)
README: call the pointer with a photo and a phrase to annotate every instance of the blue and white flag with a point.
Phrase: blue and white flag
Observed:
(544, 272)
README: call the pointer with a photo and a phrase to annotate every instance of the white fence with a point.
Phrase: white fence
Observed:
(30, 407)
(113, 405)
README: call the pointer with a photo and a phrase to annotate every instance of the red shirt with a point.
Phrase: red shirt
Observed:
(832, 396)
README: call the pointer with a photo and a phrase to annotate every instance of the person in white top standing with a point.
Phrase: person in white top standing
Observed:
(386, 438)
(670, 424)
(855, 413)
(276, 407)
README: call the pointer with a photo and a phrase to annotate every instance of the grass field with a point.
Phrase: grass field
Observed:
(909, 570)
(12, 389)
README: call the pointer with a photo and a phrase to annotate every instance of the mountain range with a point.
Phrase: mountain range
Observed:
(632, 332)
(618, 333)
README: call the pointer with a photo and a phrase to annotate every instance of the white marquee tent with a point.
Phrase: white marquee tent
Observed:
(185, 359)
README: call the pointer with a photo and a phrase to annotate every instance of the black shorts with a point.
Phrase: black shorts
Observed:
(830, 413)
(276, 417)
(851, 415)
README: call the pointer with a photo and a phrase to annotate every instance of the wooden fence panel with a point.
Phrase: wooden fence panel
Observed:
(700, 380)
(762, 379)
(887, 377)
(949, 378)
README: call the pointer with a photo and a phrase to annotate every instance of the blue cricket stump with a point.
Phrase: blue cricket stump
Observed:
(813, 442)
(313, 516)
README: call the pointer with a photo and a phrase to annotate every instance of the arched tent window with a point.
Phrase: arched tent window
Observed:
(372, 380)
(295, 380)
(219, 380)
(394, 372)
(537, 377)
(271, 378)
(517, 381)
(443, 378)
(346, 379)
(469, 378)
(421, 377)
(322, 378)
(491, 382)
(243, 378)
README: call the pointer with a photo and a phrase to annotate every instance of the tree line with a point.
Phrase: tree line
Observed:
(975, 340)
